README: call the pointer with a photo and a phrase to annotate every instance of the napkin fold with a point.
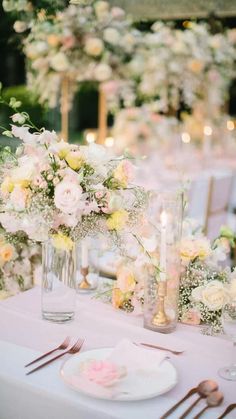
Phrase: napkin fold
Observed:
(135, 357)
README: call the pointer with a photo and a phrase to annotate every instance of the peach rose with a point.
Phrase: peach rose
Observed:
(125, 279)
(117, 297)
(6, 252)
(192, 317)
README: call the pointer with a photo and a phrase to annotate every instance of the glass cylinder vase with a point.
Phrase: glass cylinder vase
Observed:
(58, 283)
(161, 288)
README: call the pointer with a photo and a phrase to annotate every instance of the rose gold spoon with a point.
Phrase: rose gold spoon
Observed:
(214, 399)
(227, 410)
(204, 389)
(207, 385)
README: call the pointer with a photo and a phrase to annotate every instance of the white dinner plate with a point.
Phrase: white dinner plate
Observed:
(136, 385)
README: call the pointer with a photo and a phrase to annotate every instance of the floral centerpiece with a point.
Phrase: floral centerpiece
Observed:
(205, 286)
(19, 260)
(53, 188)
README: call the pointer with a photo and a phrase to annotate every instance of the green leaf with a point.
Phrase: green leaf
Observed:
(7, 133)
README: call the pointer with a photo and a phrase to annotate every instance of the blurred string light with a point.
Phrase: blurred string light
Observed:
(109, 142)
(207, 130)
(90, 137)
(230, 125)
(185, 137)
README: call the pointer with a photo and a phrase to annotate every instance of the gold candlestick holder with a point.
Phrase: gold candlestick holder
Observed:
(161, 318)
(85, 284)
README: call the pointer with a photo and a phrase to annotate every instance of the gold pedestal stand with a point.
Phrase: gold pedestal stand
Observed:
(65, 108)
(161, 318)
(102, 117)
(85, 285)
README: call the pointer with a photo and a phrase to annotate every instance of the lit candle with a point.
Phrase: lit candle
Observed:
(84, 254)
(163, 246)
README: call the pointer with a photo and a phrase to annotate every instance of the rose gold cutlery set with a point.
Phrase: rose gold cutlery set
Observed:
(75, 348)
(207, 390)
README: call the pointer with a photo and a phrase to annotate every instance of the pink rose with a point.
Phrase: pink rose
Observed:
(68, 197)
(192, 317)
(103, 373)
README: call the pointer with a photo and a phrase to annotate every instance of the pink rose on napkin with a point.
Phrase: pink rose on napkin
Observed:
(103, 373)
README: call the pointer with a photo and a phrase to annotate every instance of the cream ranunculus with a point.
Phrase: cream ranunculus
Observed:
(59, 62)
(111, 35)
(20, 26)
(232, 289)
(94, 46)
(68, 197)
(214, 295)
(101, 9)
(103, 72)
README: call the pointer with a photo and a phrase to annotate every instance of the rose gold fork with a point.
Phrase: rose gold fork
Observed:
(63, 345)
(73, 350)
(149, 345)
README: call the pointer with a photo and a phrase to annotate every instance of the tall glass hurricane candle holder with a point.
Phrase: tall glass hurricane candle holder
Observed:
(161, 289)
(59, 283)
(87, 265)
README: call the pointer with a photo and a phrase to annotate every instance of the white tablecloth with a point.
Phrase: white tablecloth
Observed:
(43, 395)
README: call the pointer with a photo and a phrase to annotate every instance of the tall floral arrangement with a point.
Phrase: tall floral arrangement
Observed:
(90, 41)
(53, 188)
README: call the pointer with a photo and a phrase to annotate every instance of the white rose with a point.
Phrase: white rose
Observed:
(41, 47)
(94, 46)
(115, 202)
(111, 35)
(103, 72)
(214, 295)
(20, 26)
(68, 197)
(25, 171)
(232, 289)
(101, 8)
(59, 62)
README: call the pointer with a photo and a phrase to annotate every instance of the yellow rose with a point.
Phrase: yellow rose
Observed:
(62, 242)
(7, 185)
(123, 173)
(6, 252)
(74, 159)
(125, 279)
(203, 248)
(117, 220)
(117, 297)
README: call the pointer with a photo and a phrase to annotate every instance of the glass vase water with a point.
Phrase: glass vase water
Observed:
(58, 283)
